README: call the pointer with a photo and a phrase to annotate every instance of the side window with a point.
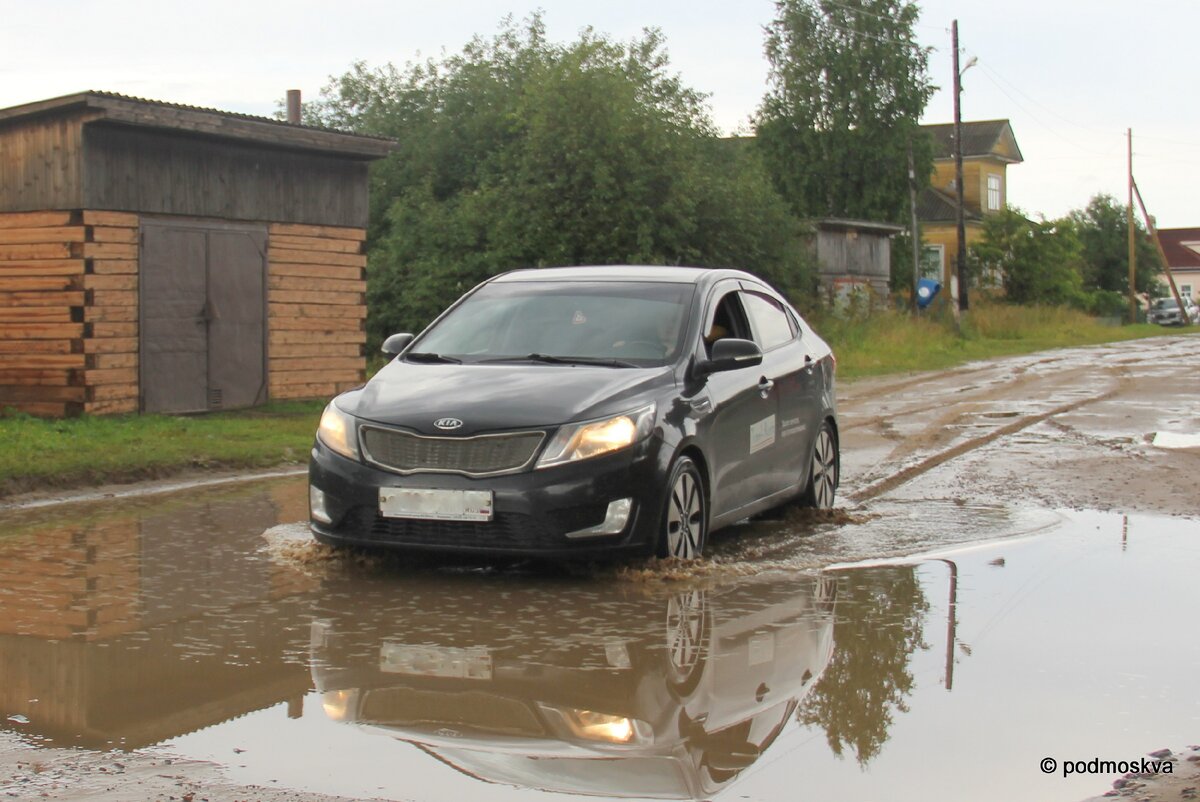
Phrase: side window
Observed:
(771, 324)
(728, 320)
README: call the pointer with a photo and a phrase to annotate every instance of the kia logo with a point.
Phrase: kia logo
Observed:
(447, 423)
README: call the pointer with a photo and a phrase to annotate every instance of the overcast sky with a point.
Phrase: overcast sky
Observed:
(1071, 76)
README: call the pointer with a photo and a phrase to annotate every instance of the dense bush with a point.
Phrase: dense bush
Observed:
(519, 152)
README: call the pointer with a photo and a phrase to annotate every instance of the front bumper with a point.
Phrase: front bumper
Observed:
(536, 512)
(1167, 320)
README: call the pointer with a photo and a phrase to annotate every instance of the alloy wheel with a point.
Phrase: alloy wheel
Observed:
(685, 517)
(824, 470)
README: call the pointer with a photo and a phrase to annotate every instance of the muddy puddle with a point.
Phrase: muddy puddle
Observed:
(900, 651)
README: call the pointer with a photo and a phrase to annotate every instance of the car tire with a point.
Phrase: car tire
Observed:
(687, 635)
(824, 470)
(684, 525)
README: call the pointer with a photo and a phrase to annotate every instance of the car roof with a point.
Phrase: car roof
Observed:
(662, 273)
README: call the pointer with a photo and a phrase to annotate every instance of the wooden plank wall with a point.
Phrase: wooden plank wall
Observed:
(41, 163)
(111, 312)
(42, 299)
(157, 172)
(316, 293)
(68, 312)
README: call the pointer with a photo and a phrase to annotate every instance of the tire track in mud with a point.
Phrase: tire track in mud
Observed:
(870, 391)
(910, 472)
(962, 394)
(960, 410)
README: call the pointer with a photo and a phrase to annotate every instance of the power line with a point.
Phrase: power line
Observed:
(1169, 141)
(885, 39)
(995, 74)
(883, 17)
(1041, 122)
(996, 77)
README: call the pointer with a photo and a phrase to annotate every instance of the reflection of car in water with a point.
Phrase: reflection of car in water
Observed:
(594, 690)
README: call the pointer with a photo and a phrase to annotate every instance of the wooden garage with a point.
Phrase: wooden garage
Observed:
(165, 258)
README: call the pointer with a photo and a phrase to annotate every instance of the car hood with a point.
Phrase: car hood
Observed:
(495, 397)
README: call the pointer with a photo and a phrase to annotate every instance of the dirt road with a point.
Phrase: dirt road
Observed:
(1071, 428)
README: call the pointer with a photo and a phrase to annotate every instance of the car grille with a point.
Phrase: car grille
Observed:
(507, 530)
(483, 455)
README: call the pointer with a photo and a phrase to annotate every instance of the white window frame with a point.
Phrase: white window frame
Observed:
(941, 251)
(1185, 290)
(995, 194)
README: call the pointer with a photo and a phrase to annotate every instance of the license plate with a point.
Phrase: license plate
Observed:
(435, 505)
(436, 661)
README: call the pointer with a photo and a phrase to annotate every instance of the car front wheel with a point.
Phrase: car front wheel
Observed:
(685, 520)
(823, 474)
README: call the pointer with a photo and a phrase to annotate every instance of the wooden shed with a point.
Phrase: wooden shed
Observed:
(165, 258)
(854, 257)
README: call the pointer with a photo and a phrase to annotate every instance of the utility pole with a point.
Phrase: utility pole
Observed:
(916, 235)
(961, 256)
(1162, 254)
(1132, 243)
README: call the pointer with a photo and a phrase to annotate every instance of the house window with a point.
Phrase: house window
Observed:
(933, 258)
(993, 198)
(1185, 290)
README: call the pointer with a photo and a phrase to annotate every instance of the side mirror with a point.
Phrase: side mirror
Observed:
(731, 354)
(396, 343)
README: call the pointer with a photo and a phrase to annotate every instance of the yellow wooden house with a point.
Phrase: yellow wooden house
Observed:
(989, 147)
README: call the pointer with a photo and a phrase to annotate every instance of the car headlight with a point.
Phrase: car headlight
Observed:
(340, 705)
(590, 725)
(338, 432)
(577, 441)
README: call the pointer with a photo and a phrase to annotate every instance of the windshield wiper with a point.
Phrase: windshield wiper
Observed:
(566, 360)
(427, 356)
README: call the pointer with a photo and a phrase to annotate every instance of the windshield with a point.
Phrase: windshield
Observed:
(1165, 303)
(631, 323)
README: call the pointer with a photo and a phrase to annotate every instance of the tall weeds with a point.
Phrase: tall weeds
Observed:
(887, 341)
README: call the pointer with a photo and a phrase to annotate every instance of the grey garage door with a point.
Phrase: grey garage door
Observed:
(203, 332)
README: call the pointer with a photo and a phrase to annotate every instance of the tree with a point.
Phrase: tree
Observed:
(1104, 232)
(518, 152)
(868, 677)
(848, 85)
(1039, 262)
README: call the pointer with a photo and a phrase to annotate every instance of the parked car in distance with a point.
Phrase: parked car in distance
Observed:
(579, 411)
(1165, 312)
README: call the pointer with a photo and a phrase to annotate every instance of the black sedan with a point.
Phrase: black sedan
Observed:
(577, 411)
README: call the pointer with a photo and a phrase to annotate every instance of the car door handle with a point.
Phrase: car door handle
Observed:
(764, 386)
(808, 363)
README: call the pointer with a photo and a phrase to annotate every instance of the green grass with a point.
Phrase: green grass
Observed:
(895, 342)
(44, 454)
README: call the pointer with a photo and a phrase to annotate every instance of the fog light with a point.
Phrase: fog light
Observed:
(316, 506)
(614, 520)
